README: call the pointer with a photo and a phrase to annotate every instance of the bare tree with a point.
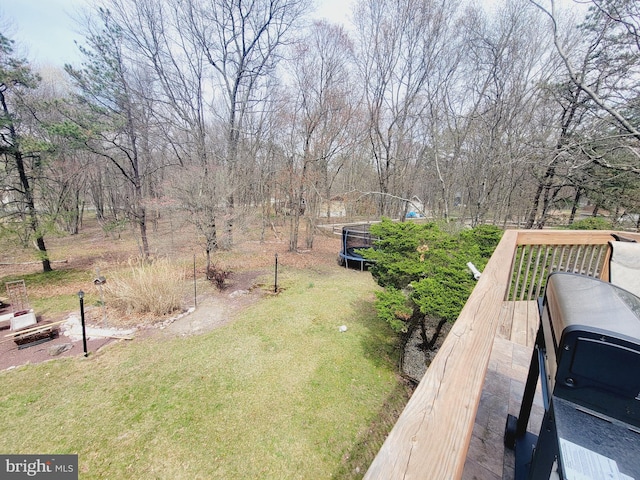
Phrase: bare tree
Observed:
(117, 124)
(612, 32)
(404, 56)
(596, 101)
(161, 34)
(507, 60)
(241, 41)
(321, 115)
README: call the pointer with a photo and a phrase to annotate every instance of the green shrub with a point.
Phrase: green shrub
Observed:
(393, 307)
(429, 262)
(591, 223)
(407, 252)
(444, 294)
(155, 288)
(483, 237)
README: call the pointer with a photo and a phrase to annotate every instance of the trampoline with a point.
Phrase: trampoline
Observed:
(354, 239)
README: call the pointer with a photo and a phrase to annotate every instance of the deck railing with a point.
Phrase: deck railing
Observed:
(537, 256)
(432, 435)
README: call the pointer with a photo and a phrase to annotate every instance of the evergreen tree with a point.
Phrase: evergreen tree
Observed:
(20, 151)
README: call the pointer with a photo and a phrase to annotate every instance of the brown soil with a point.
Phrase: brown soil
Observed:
(12, 356)
(251, 261)
(421, 347)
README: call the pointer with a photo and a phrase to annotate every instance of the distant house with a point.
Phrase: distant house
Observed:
(335, 207)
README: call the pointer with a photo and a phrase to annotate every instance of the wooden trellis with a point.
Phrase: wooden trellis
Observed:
(17, 293)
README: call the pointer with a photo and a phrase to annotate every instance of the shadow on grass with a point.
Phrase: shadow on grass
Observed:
(380, 344)
(382, 347)
(356, 461)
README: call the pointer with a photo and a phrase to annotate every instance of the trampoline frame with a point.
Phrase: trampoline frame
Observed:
(355, 237)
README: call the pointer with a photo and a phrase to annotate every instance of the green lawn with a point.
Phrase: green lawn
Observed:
(279, 393)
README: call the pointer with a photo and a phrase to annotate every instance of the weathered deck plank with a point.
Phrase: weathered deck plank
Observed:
(505, 323)
(519, 328)
(502, 392)
(524, 322)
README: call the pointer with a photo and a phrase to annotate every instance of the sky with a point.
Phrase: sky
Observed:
(47, 31)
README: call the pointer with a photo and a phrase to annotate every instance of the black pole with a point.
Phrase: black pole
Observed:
(84, 332)
(275, 283)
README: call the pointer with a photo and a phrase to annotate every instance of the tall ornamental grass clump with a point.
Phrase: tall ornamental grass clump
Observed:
(155, 288)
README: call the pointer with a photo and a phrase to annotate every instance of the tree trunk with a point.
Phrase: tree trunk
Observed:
(46, 264)
(142, 221)
(294, 227)
(27, 192)
(543, 186)
(574, 208)
(310, 232)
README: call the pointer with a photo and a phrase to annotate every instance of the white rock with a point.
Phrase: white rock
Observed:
(238, 293)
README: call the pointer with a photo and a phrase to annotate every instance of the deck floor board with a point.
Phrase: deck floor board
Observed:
(502, 392)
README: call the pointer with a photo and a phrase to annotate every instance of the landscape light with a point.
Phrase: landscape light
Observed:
(84, 332)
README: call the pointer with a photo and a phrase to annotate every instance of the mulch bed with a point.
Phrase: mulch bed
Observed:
(11, 355)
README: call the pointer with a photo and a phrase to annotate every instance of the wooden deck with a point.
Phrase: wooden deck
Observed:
(487, 458)
(452, 426)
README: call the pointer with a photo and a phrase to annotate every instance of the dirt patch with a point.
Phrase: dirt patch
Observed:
(217, 309)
